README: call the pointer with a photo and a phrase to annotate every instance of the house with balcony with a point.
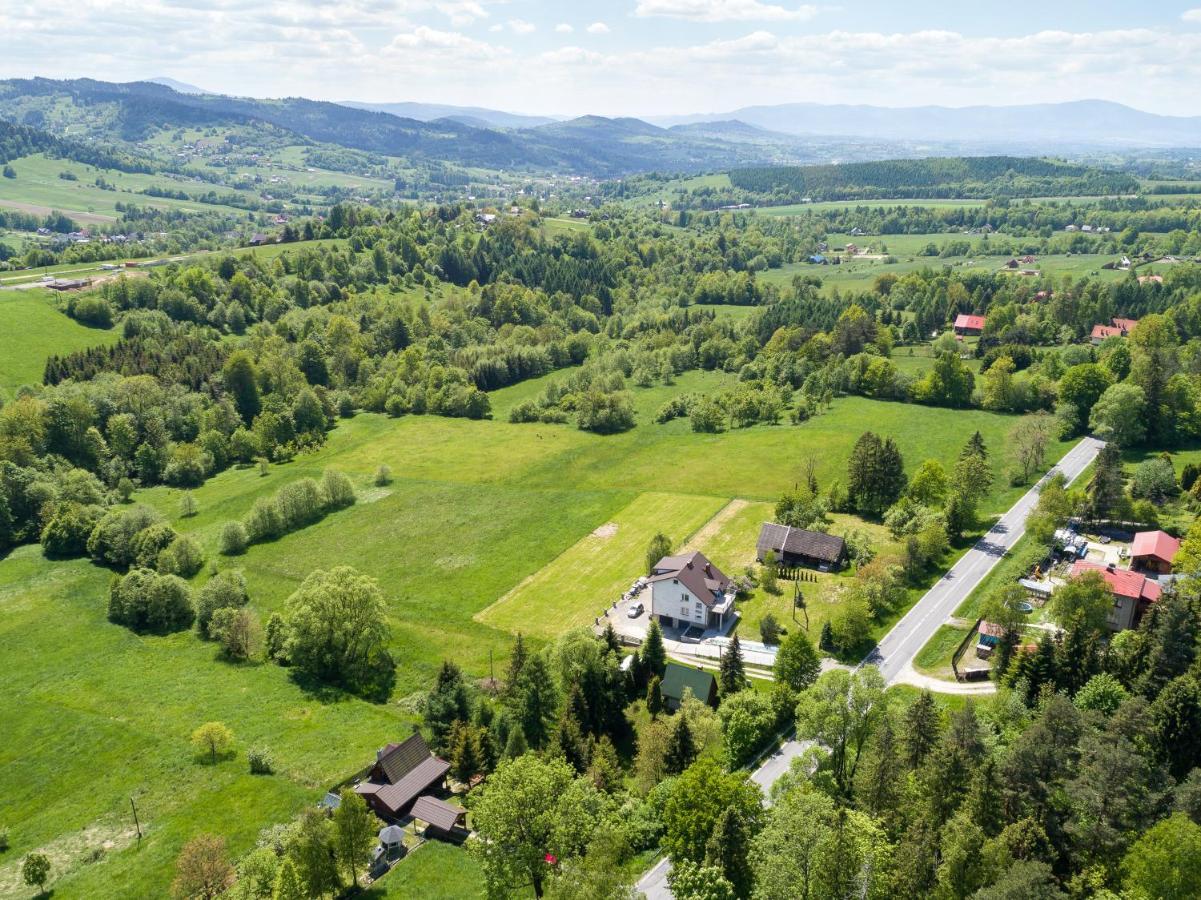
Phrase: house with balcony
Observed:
(687, 590)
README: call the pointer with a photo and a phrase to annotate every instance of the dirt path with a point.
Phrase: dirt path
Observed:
(714, 526)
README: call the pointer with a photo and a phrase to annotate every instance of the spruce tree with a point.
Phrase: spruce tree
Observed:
(732, 676)
(516, 745)
(1104, 490)
(921, 729)
(654, 656)
(516, 664)
(536, 702)
(654, 698)
(880, 787)
(681, 749)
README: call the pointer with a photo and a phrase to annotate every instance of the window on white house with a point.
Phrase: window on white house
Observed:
(684, 599)
(684, 612)
(699, 609)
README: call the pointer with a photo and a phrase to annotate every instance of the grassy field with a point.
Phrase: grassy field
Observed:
(594, 571)
(434, 871)
(96, 714)
(935, 658)
(38, 185)
(34, 329)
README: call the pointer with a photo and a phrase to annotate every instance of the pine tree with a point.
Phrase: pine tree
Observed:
(446, 705)
(1173, 640)
(654, 698)
(974, 447)
(612, 644)
(825, 640)
(465, 761)
(654, 656)
(921, 729)
(681, 750)
(732, 677)
(570, 742)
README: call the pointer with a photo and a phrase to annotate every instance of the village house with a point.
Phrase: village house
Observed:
(402, 773)
(1118, 328)
(1132, 592)
(1153, 551)
(688, 590)
(799, 547)
(965, 324)
(677, 679)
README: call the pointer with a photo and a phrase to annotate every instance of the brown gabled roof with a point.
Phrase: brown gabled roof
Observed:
(695, 572)
(800, 542)
(437, 812)
(399, 794)
(397, 760)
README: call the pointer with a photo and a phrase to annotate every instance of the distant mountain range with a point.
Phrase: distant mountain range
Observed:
(476, 116)
(181, 86)
(1078, 123)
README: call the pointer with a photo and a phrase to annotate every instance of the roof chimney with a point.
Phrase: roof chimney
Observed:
(1111, 567)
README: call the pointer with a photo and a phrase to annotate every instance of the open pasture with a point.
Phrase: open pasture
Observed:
(33, 329)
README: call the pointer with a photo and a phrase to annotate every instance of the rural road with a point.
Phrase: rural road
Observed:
(895, 653)
(653, 883)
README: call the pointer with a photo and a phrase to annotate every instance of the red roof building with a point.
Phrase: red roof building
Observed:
(1127, 325)
(1132, 591)
(965, 324)
(1154, 551)
(1101, 332)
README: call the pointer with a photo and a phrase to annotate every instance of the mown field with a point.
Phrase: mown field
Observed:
(96, 714)
(31, 329)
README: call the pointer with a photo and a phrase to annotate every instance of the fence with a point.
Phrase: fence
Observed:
(974, 674)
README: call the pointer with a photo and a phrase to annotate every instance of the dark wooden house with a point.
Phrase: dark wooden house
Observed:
(795, 547)
(402, 773)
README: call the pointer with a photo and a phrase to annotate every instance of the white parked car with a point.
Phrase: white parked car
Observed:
(635, 610)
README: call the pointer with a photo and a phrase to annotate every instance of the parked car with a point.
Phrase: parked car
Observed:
(636, 610)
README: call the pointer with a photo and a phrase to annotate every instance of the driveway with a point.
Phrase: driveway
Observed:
(895, 653)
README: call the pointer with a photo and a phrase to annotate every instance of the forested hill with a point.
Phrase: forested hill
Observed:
(20, 140)
(969, 177)
(133, 112)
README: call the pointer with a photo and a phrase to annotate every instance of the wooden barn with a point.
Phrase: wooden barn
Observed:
(795, 547)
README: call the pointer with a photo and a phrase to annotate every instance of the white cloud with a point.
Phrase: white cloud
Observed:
(496, 27)
(724, 10)
(462, 12)
(1191, 15)
(423, 38)
(597, 28)
(564, 28)
(570, 56)
(520, 26)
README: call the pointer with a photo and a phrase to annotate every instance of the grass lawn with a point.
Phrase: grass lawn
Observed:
(434, 871)
(935, 658)
(794, 209)
(35, 329)
(581, 583)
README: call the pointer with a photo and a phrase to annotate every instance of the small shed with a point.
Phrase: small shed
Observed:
(443, 818)
(800, 547)
(678, 678)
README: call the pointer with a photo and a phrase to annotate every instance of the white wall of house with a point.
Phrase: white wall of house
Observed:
(671, 598)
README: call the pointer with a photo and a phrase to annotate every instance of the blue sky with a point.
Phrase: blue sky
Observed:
(626, 57)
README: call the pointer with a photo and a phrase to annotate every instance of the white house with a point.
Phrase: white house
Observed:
(689, 590)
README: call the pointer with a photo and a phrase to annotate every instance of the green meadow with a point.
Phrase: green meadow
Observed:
(33, 329)
(476, 511)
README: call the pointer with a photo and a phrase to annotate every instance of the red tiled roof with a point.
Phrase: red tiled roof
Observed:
(1105, 331)
(1126, 325)
(1122, 582)
(1157, 544)
(972, 322)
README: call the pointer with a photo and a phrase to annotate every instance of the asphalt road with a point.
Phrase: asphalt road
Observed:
(897, 649)
(653, 883)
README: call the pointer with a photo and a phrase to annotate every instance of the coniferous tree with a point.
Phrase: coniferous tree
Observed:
(681, 749)
(516, 664)
(654, 697)
(446, 706)
(880, 786)
(732, 677)
(728, 849)
(654, 656)
(1105, 487)
(921, 729)
(516, 744)
(536, 702)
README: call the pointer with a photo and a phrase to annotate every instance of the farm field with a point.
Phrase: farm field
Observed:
(34, 329)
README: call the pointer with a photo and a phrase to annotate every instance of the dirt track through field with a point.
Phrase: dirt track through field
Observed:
(714, 526)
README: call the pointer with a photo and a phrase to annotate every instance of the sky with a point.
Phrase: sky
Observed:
(625, 57)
